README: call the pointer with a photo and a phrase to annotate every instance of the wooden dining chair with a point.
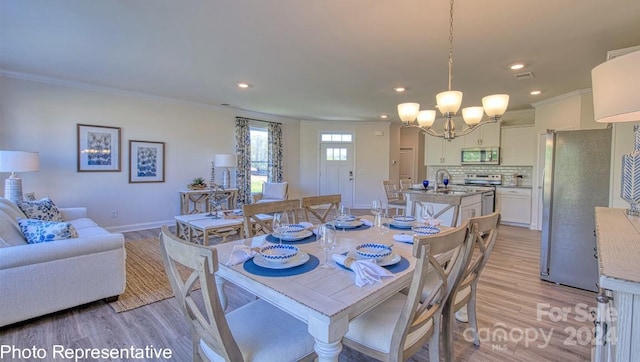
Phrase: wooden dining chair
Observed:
(405, 183)
(486, 232)
(398, 327)
(256, 331)
(254, 224)
(395, 199)
(320, 206)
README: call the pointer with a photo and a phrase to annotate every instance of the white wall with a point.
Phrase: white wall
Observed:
(42, 117)
(371, 157)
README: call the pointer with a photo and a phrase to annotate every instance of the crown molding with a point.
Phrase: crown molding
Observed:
(578, 92)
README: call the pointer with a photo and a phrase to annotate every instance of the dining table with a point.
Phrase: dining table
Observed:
(325, 299)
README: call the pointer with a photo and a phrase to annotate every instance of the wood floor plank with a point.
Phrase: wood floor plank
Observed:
(510, 295)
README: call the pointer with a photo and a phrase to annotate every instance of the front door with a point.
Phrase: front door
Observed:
(336, 170)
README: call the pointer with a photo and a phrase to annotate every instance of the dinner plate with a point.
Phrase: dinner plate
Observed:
(401, 226)
(389, 260)
(347, 225)
(297, 260)
(403, 238)
(294, 237)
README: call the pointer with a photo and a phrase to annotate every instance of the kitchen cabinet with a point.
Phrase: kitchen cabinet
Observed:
(470, 206)
(485, 136)
(514, 205)
(518, 146)
(442, 152)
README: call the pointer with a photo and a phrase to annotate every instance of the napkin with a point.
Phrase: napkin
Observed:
(366, 271)
(242, 252)
(367, 222)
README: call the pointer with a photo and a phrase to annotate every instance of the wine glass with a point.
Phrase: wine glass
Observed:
(425, 183)
(381, 225)
(328, 240)
(427, 212)
(376, 207)
(280, 223)
(344, 211)
(445, 182)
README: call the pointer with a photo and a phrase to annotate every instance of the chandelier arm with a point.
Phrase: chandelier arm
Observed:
(431, 132)
(469, 129)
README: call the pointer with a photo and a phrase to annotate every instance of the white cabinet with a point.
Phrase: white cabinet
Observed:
(485, 136)
(514, 205)
(518, 146)
(442, 152)
(470, 206)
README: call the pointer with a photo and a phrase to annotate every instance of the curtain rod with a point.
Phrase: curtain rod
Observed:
(257, 120)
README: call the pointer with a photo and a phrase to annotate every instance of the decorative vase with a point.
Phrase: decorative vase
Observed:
(630, 191)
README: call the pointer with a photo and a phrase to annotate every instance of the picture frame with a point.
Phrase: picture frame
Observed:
(98, 148)
(146, 161)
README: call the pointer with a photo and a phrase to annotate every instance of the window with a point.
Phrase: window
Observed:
(336, 154)
(259, 157)
(334, 137)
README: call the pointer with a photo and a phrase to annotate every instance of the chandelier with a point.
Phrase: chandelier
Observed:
(449, 103)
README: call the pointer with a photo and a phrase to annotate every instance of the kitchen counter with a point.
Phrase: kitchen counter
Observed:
(452, 205)
(516, 187)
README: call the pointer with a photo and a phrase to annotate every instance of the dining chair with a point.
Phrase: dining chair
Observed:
(405, 183)
(484, 238)
(320, 206)
(397, 328)
(271, 191)
(395, 199)
(254, 224)
(256, 331)
(446, 217)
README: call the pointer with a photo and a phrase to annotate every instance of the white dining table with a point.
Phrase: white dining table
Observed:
(325, 299)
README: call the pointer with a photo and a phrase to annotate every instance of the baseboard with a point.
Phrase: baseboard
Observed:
(141, 226)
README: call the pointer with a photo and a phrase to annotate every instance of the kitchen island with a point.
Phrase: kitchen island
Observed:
(451, 206)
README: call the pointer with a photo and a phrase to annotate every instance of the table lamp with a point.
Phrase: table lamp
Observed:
(17, 161)
(225, 161)
(616, 98)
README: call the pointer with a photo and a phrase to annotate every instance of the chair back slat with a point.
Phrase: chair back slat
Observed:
(207, 320)
(310, 206)
(253, 224)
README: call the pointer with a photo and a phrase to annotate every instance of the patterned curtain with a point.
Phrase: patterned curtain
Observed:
(243, 152)
(275, 152)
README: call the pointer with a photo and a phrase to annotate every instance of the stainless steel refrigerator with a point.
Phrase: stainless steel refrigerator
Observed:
(576, 180)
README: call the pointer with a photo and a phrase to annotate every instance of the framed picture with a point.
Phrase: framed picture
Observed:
(98, 148)
(146, 161)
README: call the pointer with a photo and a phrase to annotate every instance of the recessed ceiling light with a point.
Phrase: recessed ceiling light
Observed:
(244, 85)
(399, 89)
(535, 92)
(516, 66)
(384, 116)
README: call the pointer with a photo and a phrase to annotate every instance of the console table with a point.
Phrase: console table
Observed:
(197, 201)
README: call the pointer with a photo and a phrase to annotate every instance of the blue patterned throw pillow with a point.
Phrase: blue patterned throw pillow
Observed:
(43, 209)
(40, 231)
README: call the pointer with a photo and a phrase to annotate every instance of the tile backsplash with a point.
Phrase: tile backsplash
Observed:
(458, 172)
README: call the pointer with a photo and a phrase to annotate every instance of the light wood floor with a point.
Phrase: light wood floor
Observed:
(517, 313)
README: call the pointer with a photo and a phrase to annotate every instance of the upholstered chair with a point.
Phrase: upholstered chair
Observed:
(271, 191)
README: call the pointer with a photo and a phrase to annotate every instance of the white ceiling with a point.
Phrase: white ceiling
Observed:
(316, 60)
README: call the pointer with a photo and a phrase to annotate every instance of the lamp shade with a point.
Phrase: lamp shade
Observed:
(225, 160)
(472, 115)
(449, 101)
(408, 111)
(19, 161)
(495, 104)
(616, 89)
(426, 118)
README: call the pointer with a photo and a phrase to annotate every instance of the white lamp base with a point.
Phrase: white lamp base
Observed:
(13, 188)
(226, 178)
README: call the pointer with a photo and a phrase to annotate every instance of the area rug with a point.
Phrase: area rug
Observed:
(146, 278)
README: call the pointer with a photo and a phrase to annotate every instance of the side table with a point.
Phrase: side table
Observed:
(197, 201)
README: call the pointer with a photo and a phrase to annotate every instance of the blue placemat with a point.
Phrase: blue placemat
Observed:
(360, 227)
(308, 239)
(252, 268)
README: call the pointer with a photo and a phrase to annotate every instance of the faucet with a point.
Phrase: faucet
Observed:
(440, 176)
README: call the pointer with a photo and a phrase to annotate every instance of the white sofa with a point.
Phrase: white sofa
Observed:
(37, 279)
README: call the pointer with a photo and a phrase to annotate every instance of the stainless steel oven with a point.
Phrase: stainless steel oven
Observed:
(480, 156)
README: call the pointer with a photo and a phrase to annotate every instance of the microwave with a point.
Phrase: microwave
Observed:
(480, 156)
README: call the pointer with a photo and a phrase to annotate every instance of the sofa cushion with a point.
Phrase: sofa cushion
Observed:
(40, 231)
(43, 209)
(9, 230)
(274, 190)
(11, 209)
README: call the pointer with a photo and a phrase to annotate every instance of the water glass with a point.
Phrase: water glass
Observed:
(376, 207)
(280, 223)
(381, 225)
(343, 211)
(328, 240)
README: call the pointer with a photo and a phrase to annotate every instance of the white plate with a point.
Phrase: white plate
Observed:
(407, 226)
(389, 260)
(294, 237)
(299, 259)
(347, 225)
(403, 238)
